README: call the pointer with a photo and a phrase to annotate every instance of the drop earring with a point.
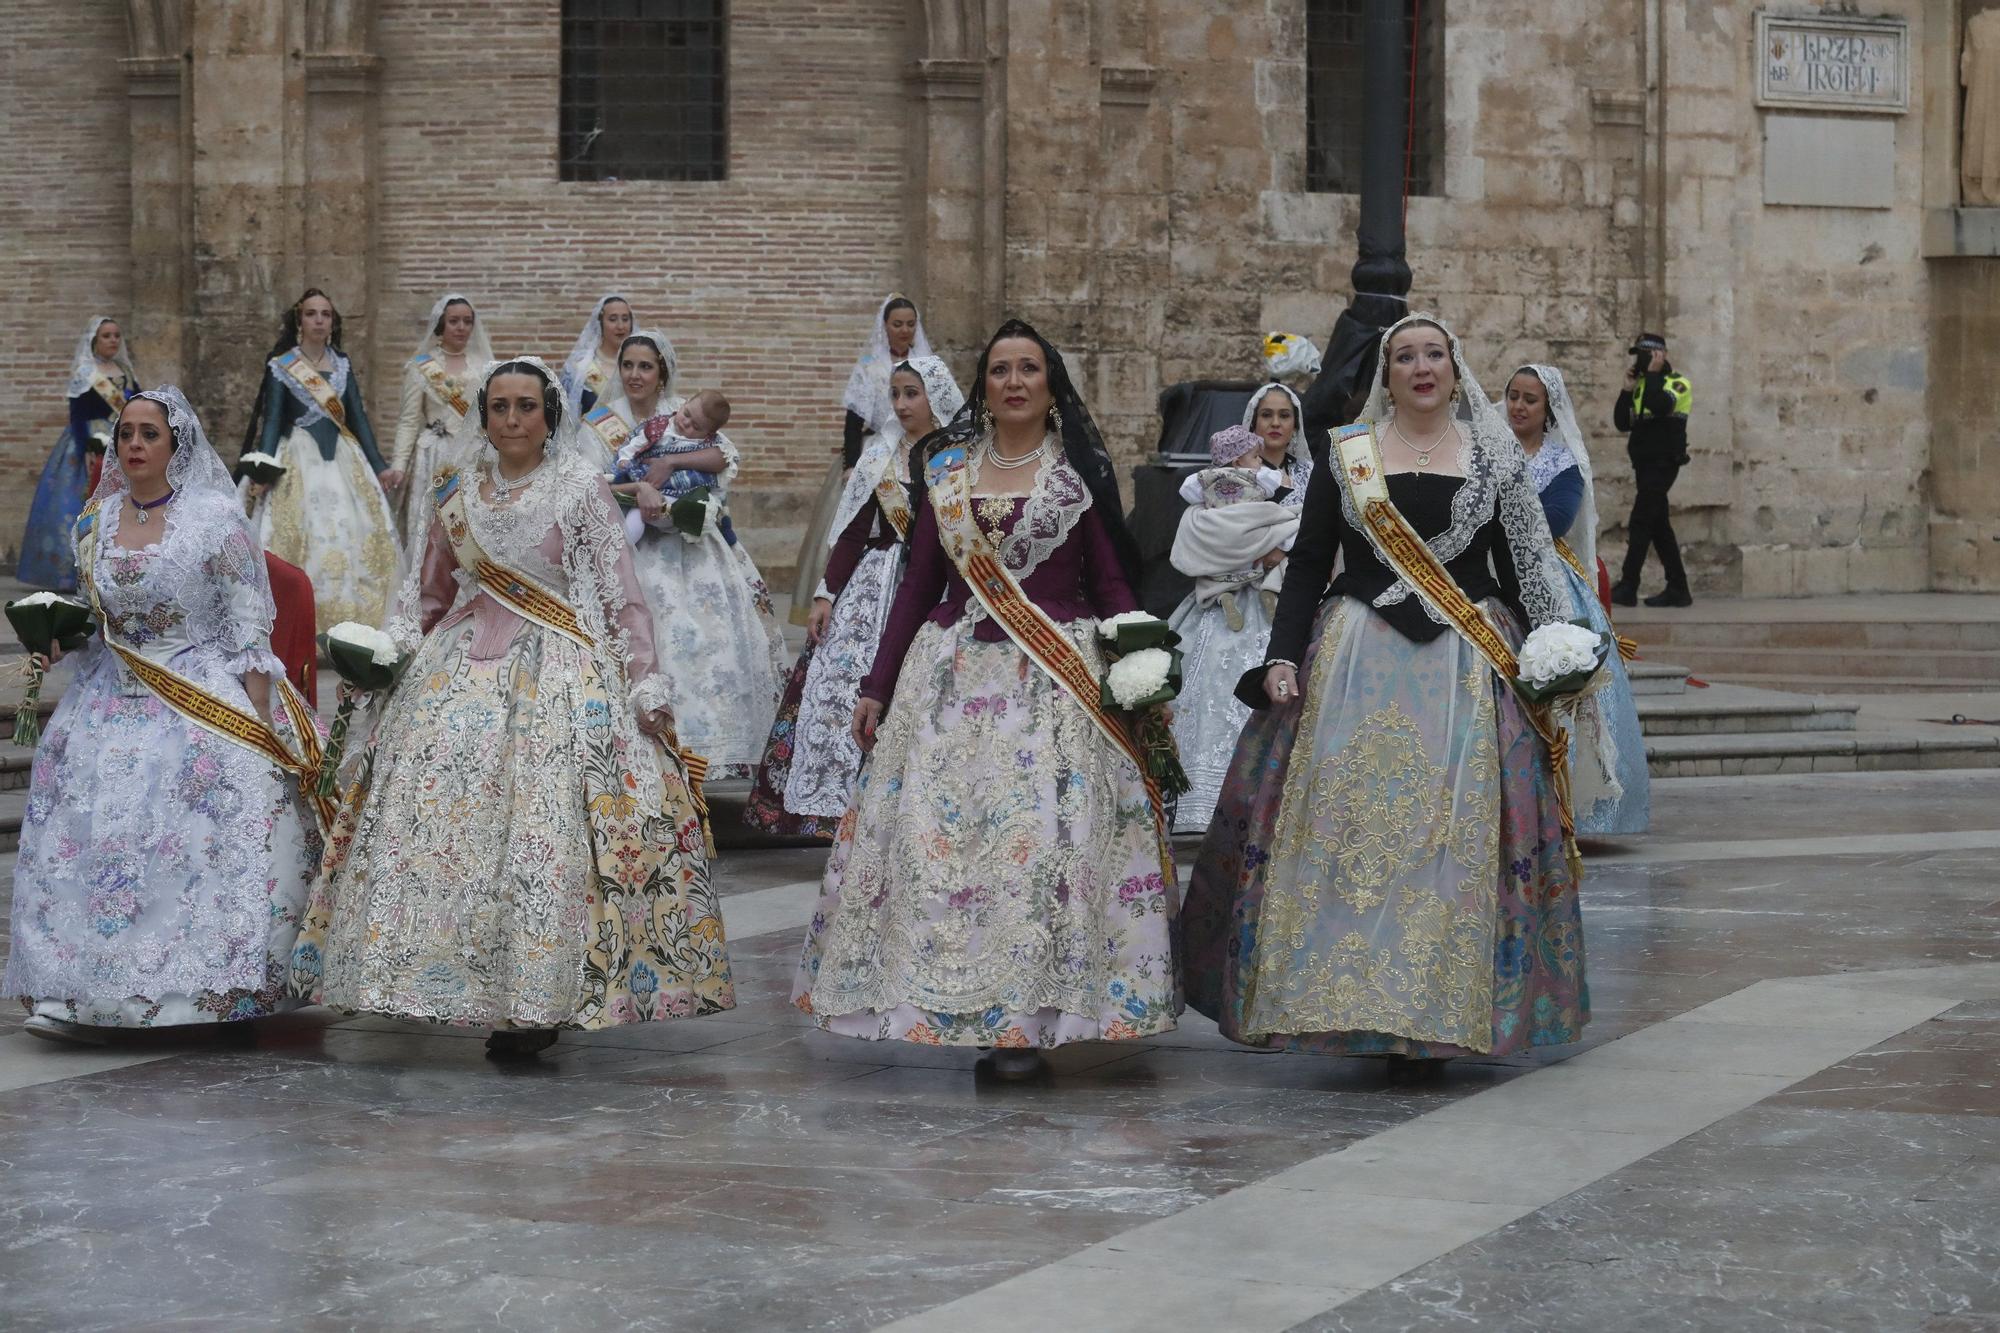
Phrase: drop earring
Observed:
(1055, 419)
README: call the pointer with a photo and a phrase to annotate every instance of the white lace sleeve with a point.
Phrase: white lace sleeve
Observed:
(239, 626)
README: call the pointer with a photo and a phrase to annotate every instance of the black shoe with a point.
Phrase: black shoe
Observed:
(1624, 594)
(519, 1043)
(1670, 597)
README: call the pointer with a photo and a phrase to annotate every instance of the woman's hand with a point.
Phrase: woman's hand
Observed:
(258, 686)
(816, 622)
(1281, 684)
(392, 479)
(1272, 558)
(867, 717)
(657, 723)
(50, 658)
(258, 490)
(648, 501)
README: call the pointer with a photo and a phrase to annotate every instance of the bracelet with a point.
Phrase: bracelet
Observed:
(1280, 661)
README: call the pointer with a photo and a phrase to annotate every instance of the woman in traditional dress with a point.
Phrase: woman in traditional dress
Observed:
(1003, 879)
(806, 780)
(329, 513)
(1387, 871)
(647, 388)
(895, 336)
(590, 372)
(164, 859)
(717, 643)
(101, 378)
(521, 850)
(1612, 790)
(436, 397)
(1225, 623)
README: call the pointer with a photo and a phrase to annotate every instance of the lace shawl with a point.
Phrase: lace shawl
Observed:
(1052, 509)
(337, 378)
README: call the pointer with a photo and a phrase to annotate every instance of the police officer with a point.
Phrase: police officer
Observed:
(1653, 411)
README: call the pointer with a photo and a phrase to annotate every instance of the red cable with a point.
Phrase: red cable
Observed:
(1410, 120)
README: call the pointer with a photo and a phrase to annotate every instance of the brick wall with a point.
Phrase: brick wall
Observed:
(65, 233)
(765, 281)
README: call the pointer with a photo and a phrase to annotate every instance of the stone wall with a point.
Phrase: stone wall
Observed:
(65, 236)
(766, 281)
(1127, 173)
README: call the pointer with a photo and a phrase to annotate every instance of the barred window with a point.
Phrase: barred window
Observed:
(644, 90)
(1334, 59)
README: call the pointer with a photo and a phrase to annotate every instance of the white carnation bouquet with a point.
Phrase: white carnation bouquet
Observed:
(1143, 678)
(368, 661)
(1560, 660)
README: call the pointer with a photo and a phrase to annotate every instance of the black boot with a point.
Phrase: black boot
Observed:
(1669, 597)
(1624, 594)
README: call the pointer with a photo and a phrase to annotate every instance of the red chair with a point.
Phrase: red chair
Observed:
(292, 632)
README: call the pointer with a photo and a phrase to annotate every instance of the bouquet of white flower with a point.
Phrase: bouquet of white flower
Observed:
(1558, 660)
(42, 620)
(1143, 678)
(261, 468)
(368, 661)
(695, 514)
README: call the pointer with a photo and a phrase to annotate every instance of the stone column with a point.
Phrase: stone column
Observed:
(156, 79)
(337, 152)
(957, 172)
(247, 240)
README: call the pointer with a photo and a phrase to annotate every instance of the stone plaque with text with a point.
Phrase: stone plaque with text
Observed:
(1833, 63)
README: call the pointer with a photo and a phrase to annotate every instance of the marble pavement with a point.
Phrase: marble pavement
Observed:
(1785, 1116)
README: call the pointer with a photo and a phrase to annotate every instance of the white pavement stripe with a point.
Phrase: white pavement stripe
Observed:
(1748, 849)
(762, 911)
(1345, 1222)
(26, 1061)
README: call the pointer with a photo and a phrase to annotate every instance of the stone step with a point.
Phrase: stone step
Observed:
(1726, 709)
(1649, 677)
(1818, 684)
(13, 805)
(16, 764)
(1746, 753)
(1712, 663)
(1967, 635)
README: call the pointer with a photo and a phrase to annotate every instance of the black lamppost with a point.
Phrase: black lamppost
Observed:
(1381, 274)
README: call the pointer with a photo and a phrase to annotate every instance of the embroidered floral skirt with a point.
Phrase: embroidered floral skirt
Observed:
(1385, 871)
(1598, 809)
(825, 758)
(1207, 718)
(47, 559)
(330, 518)
(474, 883)
(1001, 879)
(722, 653)
(162, 869)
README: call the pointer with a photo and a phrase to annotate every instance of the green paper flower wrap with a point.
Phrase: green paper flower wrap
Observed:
(1136, 631)
(41, 621)
(260, 468)
(695, 514)
(367, 661)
